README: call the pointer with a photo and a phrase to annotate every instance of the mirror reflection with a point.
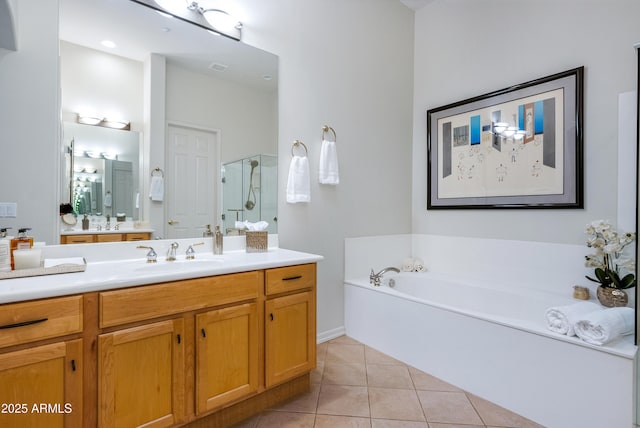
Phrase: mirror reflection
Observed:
(250, 193)
(208, 84)
(104, 168)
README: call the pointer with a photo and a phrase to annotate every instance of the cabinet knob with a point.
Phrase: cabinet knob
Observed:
(204, 333)
(271, 316)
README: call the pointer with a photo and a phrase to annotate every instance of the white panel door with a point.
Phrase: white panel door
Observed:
(191, 181)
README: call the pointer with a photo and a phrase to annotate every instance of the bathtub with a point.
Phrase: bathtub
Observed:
(492, 341)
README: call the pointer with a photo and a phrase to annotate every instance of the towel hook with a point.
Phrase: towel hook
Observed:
(157, 169)
(326, 129)
(298, 143)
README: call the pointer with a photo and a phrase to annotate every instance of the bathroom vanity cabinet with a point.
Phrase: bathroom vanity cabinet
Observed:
(290, 322)
(41, 385)
(87, 238)
(221, 347)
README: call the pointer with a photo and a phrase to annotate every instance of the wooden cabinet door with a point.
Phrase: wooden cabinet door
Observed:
(290, 336)
(141, 376)
(42, 386)
(227, 355)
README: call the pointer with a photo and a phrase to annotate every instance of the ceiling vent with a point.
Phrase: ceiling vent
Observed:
(219, 67)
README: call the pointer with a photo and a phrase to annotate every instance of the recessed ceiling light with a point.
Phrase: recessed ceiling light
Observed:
(108, 44)
(267, 77)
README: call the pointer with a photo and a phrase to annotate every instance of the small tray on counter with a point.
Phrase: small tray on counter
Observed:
(39, 271)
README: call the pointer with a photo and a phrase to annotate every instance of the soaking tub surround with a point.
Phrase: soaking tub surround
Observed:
(476, 319)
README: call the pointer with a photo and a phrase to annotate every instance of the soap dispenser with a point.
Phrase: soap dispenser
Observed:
(218, 241)
(85, 223)
(207, 233)
(20, 242)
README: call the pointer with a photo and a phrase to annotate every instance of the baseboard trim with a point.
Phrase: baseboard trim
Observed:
(330, 334)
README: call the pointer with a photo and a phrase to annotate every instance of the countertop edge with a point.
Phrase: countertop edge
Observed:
(101, 276)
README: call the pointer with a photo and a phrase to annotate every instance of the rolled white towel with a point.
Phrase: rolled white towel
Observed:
(605, 325)
(407, 265)
(561, 319)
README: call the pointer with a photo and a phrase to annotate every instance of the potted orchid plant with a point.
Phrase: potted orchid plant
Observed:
(612, 270)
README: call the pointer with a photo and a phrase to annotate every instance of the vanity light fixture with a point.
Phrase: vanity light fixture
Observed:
(105, 122)
(216, 20)
(99, 155)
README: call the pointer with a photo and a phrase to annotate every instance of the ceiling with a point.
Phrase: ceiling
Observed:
(138, 30)
(415, 4)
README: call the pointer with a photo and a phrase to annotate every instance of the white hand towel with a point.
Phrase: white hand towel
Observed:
(298, 182)
(156, 188)
(328, 172)
(605, 325)
(561, 319)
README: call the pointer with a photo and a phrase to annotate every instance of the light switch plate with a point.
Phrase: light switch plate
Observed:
(8, 209)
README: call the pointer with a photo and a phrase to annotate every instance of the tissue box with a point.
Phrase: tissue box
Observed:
(256, 242)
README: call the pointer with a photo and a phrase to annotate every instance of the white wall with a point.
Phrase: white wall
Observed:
(347, 64)
(245, 116)
(99, 83)
(29, 122)
(467, 48)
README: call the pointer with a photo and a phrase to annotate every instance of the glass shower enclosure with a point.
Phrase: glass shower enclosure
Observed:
(250, 193)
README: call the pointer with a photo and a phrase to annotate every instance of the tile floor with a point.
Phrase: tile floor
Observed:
(356, 386)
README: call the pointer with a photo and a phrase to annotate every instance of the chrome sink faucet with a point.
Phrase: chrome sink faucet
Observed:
(152, 256)
(171, 253)
(191, 253)
(375, 278)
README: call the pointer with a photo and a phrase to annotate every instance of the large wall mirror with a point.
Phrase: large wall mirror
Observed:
(216, 91)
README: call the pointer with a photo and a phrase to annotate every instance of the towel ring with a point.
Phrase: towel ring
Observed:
(298, 143)
(155, 170)
(326, 129)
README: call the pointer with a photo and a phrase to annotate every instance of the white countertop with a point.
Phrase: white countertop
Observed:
(104, 273)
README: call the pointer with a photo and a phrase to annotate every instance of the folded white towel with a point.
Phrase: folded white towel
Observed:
(156, 188)
(605, 325)
(298, 182)
(561, 319)
(328, 171)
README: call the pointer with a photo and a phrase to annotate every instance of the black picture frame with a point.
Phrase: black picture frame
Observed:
(518, 147)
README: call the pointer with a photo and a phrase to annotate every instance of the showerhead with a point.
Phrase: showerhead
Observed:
(250, 204)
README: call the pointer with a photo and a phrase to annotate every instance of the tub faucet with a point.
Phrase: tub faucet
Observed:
(171, 254)
(375, 278)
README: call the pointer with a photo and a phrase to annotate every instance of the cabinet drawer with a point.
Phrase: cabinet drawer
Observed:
(142, 236)
(152, 301)
(290, 278)
(109, 237)
(77, 239)
(40, 319)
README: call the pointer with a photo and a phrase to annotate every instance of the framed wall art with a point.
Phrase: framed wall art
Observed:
(519, 147)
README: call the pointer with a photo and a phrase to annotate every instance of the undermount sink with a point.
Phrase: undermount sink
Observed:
(180, 264)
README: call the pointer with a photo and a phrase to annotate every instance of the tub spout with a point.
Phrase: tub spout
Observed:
(375, 278)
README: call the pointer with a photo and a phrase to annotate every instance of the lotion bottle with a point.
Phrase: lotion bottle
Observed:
(5, 245)
(217, 241)
(20, 242)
